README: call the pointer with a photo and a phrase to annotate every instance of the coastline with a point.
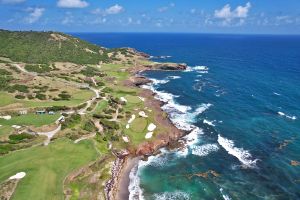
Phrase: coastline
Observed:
(121, 181)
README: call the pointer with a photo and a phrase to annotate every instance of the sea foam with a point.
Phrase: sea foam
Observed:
(243, 155)
(287, 116)
(205, 149)
(176, 195)
(135, 192)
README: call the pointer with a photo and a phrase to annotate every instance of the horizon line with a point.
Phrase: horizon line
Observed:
(156, 32)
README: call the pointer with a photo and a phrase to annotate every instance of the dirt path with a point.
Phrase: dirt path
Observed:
(98, 125)
(85, 137)
(24, 70)
(49, 134)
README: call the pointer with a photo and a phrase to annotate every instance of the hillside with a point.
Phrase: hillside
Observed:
(47, 47)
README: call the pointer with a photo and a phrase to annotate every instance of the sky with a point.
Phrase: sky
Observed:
(193, 16)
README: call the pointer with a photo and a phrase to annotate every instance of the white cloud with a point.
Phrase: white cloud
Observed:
(115, 9)
(165, 8)
(12, 1)
(72, 3)
(227, 14)
(34, 15)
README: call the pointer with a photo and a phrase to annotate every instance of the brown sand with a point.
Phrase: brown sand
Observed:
(123, 182)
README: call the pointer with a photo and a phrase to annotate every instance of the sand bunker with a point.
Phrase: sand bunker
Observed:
(131, 119)
(123, 99)
(125, 138)
(149, 135)
(143, 114)
(18, 176)
(16, 126)
(151, 127)
(7, 117)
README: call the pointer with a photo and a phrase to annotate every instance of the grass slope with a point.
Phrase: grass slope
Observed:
(46, 167)
(45, 47)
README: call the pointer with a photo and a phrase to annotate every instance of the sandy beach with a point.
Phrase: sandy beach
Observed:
(123, 181)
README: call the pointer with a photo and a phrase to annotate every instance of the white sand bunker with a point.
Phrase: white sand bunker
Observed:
(151, 127)
(18, 176)
(131, 119)
(125, 138)
(7, 117)
(149, 135)
(16, 126)
(143, 114)
(123, 99)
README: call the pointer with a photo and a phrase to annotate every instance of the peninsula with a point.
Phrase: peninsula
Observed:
(73, 116)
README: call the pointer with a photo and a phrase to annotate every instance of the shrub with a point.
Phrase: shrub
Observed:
(38, 68)
(19, 96)
(89, 126)
(41, 96)
(20, 88)
(109, 124)
(20, 137)
(71, 121)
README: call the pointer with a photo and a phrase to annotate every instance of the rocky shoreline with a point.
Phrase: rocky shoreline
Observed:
(116, 187)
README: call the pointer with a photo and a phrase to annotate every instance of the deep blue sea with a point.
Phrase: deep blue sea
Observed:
(240, 99)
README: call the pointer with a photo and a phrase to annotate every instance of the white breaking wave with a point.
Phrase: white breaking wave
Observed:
(208, 122)
(177, 195)
(225, 197)
(204, 68)
(173, 77)
(276, 93)
(287, 116)
(243, 155)
(205, 149)
(199, 69)
(135, 192)
(157, 82)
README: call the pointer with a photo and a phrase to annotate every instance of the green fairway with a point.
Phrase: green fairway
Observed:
(77, 98)
(45, 168)
(5, 130)
(6, 99)
(30, 119)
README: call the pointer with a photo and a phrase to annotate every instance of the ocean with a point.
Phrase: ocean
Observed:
(240, 101)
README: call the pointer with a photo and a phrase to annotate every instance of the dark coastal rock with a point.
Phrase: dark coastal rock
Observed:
(176, 66)
(140, 80)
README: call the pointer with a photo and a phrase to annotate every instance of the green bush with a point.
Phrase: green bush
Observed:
(20, 88)
(38, 68)
(71, 121)
(64, 96)
(89, 126)
(19, 96)
(5, 72)
(109, 124)
(41, 96)
(20, 137)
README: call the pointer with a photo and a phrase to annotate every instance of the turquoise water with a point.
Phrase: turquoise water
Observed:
(240, 99)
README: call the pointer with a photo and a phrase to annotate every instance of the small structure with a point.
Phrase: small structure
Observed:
(23, 112)
(51, 112)
(40, 112)
(60, 120)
